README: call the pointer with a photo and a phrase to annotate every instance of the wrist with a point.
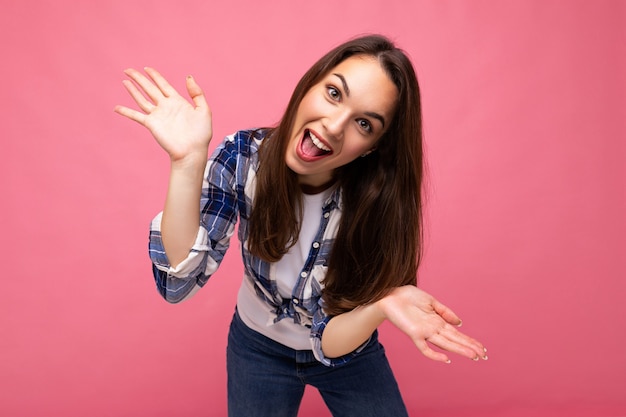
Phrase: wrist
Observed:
(377, 311)
(191, 163)
(386, 304)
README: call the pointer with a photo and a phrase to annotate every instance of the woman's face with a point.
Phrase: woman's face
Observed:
(339, 119)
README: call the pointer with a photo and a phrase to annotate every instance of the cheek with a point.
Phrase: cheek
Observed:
(356, 144)
(355, 147)
(312, 104)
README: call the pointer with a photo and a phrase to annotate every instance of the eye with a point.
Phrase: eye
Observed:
(365, 125)
(333, 93)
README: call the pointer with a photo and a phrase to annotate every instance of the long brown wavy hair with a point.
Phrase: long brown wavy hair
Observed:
(379, 241)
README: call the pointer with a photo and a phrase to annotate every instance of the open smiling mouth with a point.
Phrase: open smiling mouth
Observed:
(312, 147)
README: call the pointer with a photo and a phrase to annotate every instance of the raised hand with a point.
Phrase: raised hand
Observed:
(424, 319)
(181, 128)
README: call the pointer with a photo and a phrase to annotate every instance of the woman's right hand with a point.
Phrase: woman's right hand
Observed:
(183, 130)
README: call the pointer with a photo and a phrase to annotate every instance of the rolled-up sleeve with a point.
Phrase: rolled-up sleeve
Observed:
(218, 216)
(320, 320)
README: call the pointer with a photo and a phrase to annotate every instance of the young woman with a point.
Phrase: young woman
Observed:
(329, 210)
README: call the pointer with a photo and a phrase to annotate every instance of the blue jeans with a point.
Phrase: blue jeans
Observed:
(266, 378)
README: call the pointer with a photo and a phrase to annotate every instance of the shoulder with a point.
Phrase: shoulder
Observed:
(248, 140)
(241, 145)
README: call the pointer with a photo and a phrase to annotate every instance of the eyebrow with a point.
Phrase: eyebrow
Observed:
(343, 81)
(377, 116)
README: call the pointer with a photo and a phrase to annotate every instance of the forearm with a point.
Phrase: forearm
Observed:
(181, 213)
(346, 332)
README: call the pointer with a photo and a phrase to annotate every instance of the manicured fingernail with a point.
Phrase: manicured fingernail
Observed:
(460, 324)
(485, 349)
(485, 357)
(475, 358)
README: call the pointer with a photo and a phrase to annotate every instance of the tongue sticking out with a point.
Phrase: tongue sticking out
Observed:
(309, 148)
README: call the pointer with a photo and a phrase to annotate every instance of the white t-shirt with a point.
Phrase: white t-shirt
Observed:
(254, 312)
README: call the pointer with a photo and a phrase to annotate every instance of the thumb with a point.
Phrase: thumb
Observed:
(196, 93)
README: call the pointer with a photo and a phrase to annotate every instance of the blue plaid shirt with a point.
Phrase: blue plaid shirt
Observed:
(227, 196)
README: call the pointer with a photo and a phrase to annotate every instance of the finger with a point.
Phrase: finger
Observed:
(196, 93)
(148, 87)
(447, 344)
(463, 339)
(430, 353)
(160, 82)
(455, 344)
(446, 313)
(131, 114)
(139, 98)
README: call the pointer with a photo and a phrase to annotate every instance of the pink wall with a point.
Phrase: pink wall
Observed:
(524, 107)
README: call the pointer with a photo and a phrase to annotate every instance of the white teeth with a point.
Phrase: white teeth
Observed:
(318, 142)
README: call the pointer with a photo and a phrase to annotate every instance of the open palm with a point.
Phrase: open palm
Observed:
(180, 127)
(424, 319)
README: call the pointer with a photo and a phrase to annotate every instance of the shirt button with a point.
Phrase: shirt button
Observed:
(296, 301)
(316, 245)
(326, 215)
(303, 274)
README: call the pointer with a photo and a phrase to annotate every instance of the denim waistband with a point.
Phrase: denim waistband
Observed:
(272, 347)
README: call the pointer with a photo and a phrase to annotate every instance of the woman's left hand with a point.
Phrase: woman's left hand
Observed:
(424, 319)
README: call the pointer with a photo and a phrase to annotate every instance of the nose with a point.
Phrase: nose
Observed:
(336, 122)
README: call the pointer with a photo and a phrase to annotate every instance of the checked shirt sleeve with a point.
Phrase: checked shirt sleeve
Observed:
(320, 320)
(218, 215)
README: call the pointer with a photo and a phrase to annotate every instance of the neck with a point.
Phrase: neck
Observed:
(316, 189)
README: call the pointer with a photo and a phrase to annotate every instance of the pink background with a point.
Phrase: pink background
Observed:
(524, 109)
